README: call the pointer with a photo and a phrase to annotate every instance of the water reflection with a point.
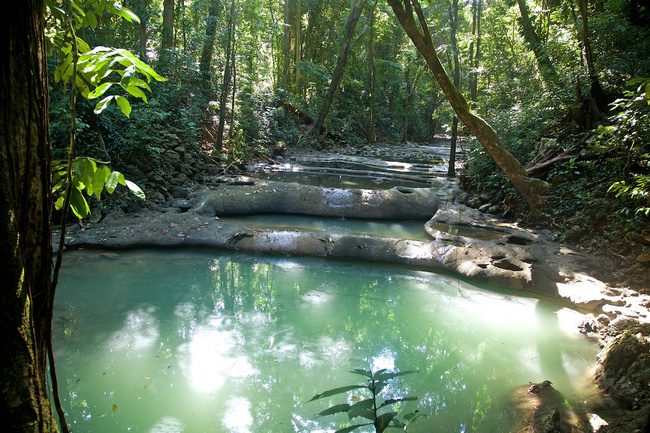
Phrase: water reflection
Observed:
(234, 343)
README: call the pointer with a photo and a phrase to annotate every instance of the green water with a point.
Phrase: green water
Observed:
(197, 341)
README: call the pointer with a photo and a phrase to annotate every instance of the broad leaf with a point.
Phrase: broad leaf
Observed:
(382, 421)
(124, 105)
(135, 189)
(100, 90)
(335, 391)
(360, 408)
(386, 376)
(101, 105)
(362, 372)
(351, 428)
(335, 409)
(396, 400)
(111, 182)
(78, 204)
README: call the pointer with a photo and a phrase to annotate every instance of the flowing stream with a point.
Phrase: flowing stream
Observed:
(214, 341)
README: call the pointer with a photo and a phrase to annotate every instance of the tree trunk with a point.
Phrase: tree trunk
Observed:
(451, 170)
(286, 49)
(167, 42)
(226, 79)
(474, 52)
(208, 47)
(355, 14)
(25, 237)
(533, 190)
(297, 46)
(142, 49)
(372, 135)
(596, 90)
(544, 64)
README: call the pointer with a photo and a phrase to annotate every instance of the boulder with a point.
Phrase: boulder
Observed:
(254, 197)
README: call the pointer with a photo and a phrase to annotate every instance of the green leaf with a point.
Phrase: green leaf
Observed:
(124, 105)
(126, 13)
(92, 19)
(135, 81)
(336, 391)
(382, 421)
(362, 372)
(126, 76)
(396, 400)
(351, 428)
(99, 180)
(360, 407)
(58, 204)
(78, 204)
(137, 92)
(335, 409)
(111, 182)
(82, 45)
(101, 105)
(100, 90)
(387, 376)
(135, 189)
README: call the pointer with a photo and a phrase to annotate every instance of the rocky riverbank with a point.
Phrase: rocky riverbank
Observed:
(465, 241)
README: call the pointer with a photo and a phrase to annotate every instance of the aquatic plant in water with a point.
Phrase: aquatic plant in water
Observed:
(369, 408)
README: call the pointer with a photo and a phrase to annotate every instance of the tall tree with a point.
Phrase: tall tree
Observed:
(143, 13)
(533, 190)
(372, 134)
(167, 41)
(544, 64)
(453, 16)
(595, 89)
(337, 76)
(208, 46)
(475, 50)
(25, 237)
(226, 77)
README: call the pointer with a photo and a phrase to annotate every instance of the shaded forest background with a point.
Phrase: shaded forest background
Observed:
(562, 82)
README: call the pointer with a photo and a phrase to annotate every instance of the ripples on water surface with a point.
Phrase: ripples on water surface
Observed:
(197, 341)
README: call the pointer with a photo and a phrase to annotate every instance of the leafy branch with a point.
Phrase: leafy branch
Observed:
(369, 408)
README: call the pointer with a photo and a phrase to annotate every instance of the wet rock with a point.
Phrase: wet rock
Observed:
(247, 197)
(542, 409)
(624, 362)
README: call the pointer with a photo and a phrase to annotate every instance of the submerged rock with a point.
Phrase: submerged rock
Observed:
(248, 197)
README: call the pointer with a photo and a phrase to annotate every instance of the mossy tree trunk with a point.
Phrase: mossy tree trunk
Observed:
(533, 190)
(25, 235)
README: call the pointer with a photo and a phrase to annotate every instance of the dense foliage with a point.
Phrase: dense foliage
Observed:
(248, 78)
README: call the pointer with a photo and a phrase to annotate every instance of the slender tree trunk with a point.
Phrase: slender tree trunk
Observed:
(408, 102)
(372, 135)
(355, 14)
(533, 190)
(544, 64)
(208, 47)
(451, 171)
(596, 90)
(226, 78)
(475, 50)
(286, 49)
(297, 49)
(25, 237)
(143, 15)
(167, 41)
